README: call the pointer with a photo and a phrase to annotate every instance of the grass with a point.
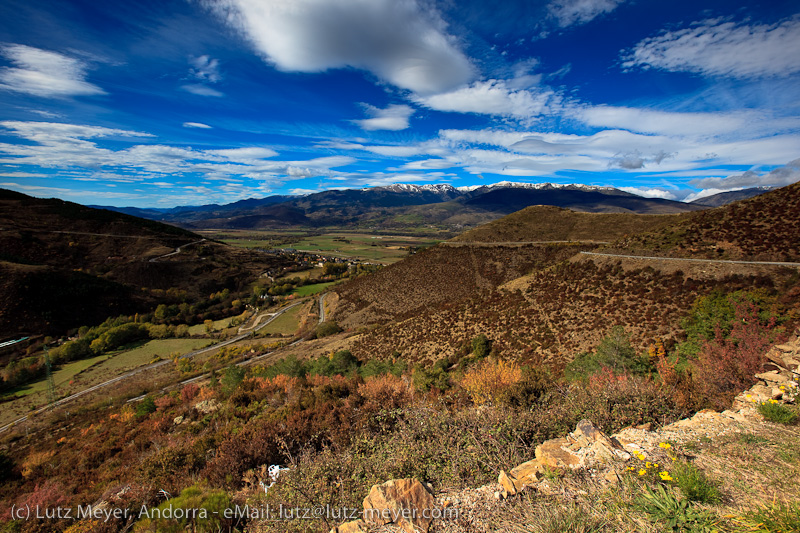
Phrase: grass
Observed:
(778, 413)
(364, 246)
(695, 485)
(200, 329)
(776, 518)
(286, 324)
(309, 290)
(62, 375)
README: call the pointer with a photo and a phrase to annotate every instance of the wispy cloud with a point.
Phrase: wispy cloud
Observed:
(393, 118)
(201, 90)
(402, 42)
(722, 48)
(196, 125)
(205, 68)
(785, 175)
(45, 73)
(494, 97)
(572, 12)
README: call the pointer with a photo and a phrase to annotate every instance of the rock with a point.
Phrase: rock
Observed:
(772, 377)
(528, 472)
(773, 367)
(646, 427)
(552, 453)
(786, 348)
(356, 526)
(402, 502)
(588, 430)
(611, 477)
(207, 406)
(510, 484)
(178, 419)
(498, 495)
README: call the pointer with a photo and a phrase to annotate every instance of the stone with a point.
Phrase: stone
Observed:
(529, 472)
(207, 406)
(552, 453)
(178, 419)
(772, 377)
(510, 484)
(356, 526)
(787, 348)
(402, 502)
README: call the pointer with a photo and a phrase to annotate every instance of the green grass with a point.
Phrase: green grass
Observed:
(363, 246)
(61, 376)
(694, 484)
(286, 324)
(200, 329)
(308, 290)
(776, 518)
(778, 413)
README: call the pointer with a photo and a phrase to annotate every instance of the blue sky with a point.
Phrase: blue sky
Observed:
(163, 103)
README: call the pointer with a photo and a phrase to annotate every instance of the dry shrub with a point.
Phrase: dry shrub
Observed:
(727, 366)
(189, 392)
(36, 463)
(386, 391)
(488, 381)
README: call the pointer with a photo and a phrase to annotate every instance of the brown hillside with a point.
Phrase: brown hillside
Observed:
(66, 265)
(764, 228)
(559, 312)
(541, 222)
(439, 276)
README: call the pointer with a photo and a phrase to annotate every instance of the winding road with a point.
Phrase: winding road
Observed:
(692, 260)
(177, 250)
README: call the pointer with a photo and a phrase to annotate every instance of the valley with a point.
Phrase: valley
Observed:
(324, 348)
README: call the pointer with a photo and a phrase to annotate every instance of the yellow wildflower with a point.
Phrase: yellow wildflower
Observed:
(665, 445)
(665, 476)
(639, 456)
(642, 472)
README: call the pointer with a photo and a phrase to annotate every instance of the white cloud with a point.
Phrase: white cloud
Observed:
(250, 152)
(493, 97)
(569, 12)
(44, 73)
(205, 69)
(71, 147)
(393, 118)
(403, 42)
(427, 164)
(196, 125)
(779, 177)
(654, 192)
(662, 122)
(718, 48)
(201, 90)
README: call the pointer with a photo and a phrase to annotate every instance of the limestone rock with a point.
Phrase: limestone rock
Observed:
(356, 526)
(529, 471)
(510, 484)
(400, 501)
(772, 377)
(207, 406)
(554, 453)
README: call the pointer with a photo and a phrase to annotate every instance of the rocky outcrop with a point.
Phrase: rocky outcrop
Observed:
(780, 380)
(404, 502)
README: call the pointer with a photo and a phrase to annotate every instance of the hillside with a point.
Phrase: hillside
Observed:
(65, 265)
(564, 306)
(763, 228)
(540, 223)
(440, 276)
(725, 198)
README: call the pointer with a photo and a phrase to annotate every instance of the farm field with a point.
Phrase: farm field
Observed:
(286, 324)
(384, 249)
(309, 290)
(78, 375)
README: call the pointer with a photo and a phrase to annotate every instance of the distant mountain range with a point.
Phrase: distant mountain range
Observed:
(725, 198)
(404, 205)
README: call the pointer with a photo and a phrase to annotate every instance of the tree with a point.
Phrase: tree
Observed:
(327, 328)
(232, 378)
(481, 345)
(145, 407)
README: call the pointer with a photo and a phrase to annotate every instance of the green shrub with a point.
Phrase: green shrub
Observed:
(778, 413)
(481, 345)
(145, 407)
(327, 328)
(694, 483)
(614, 352)
(662, 505)
(231, 379)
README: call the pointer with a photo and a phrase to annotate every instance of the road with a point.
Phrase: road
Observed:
(692, 260)
(514, 243)
(177, 250)
(150, 367)
(322, 308)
